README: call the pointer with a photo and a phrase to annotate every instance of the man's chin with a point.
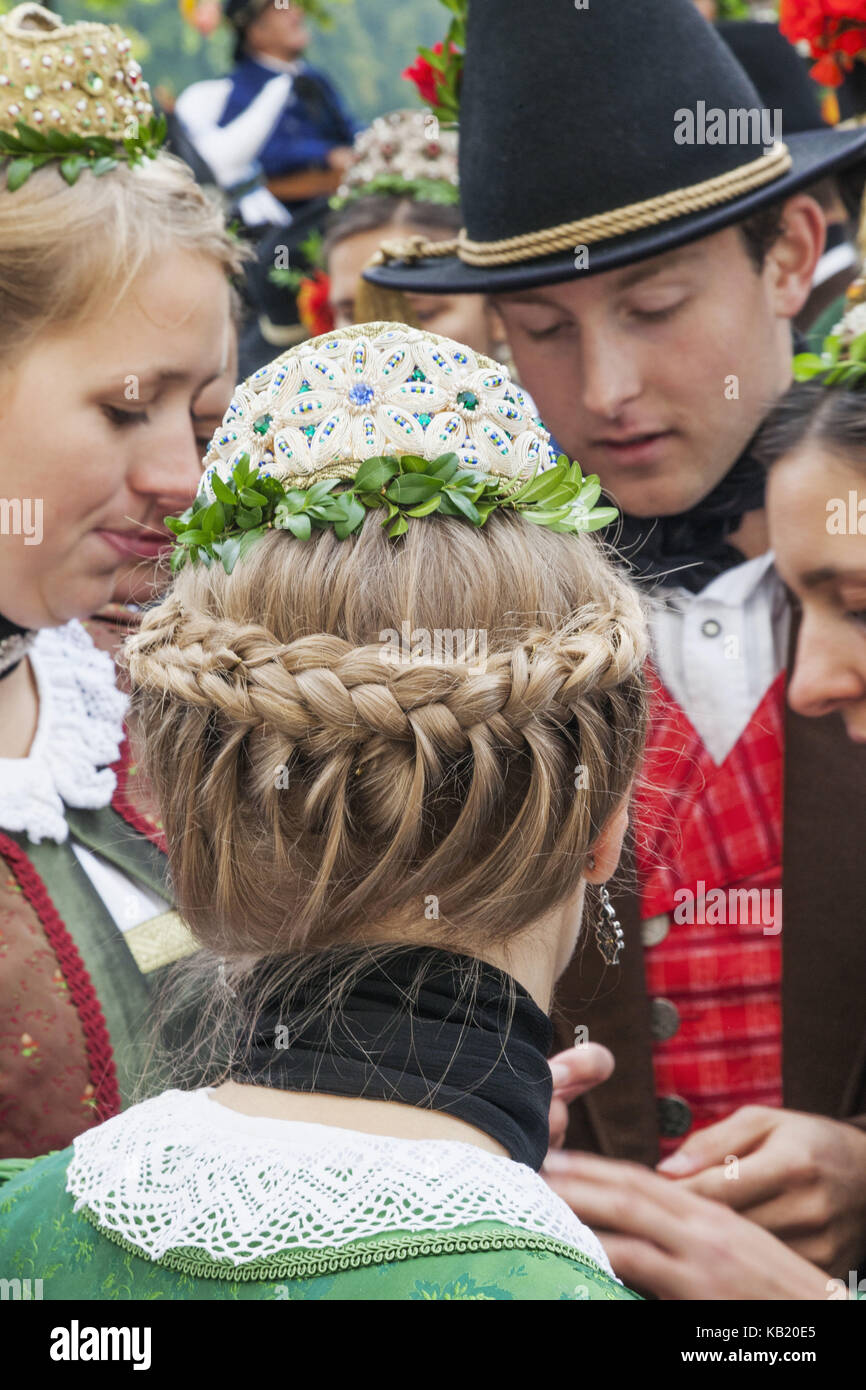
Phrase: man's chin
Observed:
(656, 499)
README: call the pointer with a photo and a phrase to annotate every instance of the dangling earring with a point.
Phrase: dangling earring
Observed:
(609, 935)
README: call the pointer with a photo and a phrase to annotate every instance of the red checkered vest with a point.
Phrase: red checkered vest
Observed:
(709, 852)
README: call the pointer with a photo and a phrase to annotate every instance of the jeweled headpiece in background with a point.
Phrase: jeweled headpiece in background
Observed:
(406, 154)
(70, 93)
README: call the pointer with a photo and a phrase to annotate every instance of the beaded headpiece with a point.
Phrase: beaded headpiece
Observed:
(70, 93)
(403, 153)
(381, 416)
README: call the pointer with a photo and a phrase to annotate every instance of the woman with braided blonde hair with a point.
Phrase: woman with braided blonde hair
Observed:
(392, 707)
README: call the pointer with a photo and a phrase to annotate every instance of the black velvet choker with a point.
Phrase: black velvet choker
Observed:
(14, 641)
(692, 548)
(409, 1028)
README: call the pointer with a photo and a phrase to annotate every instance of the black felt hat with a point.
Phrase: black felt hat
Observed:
(779, 74)
(568, 119)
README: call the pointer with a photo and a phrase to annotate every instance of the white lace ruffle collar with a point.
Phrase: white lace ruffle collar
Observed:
(78, 735)
(182, 1171)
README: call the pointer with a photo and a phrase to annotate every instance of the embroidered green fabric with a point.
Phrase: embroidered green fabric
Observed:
(42, 1238)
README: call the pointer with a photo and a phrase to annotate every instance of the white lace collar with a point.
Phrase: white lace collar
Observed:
(184, 1172)
(79, 733)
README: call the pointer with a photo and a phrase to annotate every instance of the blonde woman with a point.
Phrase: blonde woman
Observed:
(390, 759)
(114, 300)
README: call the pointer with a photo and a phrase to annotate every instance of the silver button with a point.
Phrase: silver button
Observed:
(675, 1116)
(654, 929)
(664, 1019)
(711, 628)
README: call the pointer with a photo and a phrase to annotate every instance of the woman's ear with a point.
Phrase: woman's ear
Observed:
(606, 849)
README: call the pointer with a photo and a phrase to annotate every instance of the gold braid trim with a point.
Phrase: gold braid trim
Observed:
(722, 188)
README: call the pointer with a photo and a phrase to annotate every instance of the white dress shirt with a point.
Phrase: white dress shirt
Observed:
(720, 650)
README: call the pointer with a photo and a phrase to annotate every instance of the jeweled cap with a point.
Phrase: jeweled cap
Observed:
(376, 389)
(78, 79)
(405, 153)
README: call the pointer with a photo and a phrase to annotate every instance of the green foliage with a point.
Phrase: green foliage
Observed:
(31, 148)
(421, 189)
(834, 366)
(733, 9)
(252, 502)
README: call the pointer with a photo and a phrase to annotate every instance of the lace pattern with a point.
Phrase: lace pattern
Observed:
(79, 734)
(182, 1172)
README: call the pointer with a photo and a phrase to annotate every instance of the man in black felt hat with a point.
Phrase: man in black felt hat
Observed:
(648, 247)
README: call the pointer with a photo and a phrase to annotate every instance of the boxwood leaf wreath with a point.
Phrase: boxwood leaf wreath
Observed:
(251, 502)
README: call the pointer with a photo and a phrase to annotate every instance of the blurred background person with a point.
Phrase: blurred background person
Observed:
(275, 124)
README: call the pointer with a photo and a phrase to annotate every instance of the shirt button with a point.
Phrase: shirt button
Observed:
(711, 628)
(653, 930)
(675, 1116)
(664, 1019)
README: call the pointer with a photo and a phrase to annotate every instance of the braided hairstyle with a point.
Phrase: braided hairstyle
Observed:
(316, 790)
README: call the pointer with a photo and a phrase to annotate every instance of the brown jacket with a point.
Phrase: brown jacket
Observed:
(823, 961)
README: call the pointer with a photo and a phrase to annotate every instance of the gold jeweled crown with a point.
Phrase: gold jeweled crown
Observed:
(70, 92)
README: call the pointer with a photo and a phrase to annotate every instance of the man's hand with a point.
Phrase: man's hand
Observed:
(664, 1240)
(339, 158)
(802, 1177)
(576, 1070)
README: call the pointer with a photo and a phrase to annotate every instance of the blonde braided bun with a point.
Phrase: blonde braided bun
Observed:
(318, 787)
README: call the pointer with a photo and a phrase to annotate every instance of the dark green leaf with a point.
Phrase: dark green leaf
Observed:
(355, 513)
(223, 491)
(71, 168)
(249, 539)
(413, 487)
(102, 166)
(425, 508)
(229, 551)
(463, 505)
(374, 473)
(299, 524)
(18, 173)
(398, 527)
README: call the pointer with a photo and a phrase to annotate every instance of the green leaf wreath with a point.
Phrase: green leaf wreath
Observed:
(835, 365)
(31, 148)
(252, 502)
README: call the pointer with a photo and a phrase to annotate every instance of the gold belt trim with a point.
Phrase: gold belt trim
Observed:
(160, 941)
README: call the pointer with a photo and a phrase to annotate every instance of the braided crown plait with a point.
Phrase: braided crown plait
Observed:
(322, 694)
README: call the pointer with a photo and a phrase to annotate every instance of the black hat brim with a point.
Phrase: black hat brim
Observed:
(815, 155)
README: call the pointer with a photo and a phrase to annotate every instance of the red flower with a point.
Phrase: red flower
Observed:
(827, 72)
(829, 27)
(427, 79)
(314, 304)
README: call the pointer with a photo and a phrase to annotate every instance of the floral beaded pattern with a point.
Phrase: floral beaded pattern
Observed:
(377, 389)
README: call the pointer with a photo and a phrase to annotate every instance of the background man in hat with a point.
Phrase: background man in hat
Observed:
(648, 287)
(275, 114)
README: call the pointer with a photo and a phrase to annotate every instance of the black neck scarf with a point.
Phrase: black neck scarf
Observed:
(409, 1028)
